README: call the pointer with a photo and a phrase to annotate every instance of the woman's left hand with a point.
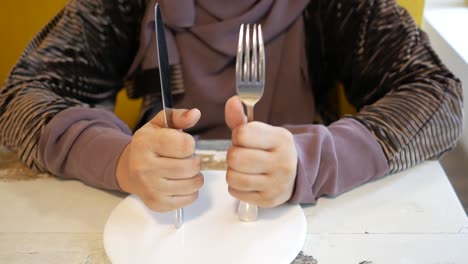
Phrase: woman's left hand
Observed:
(262, 161)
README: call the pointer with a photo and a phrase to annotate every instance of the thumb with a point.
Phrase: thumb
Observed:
(234, 112)
(181, 118)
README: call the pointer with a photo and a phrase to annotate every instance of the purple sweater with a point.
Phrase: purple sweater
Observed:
(85, 143)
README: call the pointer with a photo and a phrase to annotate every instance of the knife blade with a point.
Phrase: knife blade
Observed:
(164, 75)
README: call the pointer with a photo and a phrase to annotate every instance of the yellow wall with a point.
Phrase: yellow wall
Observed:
(20, 20)
(415, 7)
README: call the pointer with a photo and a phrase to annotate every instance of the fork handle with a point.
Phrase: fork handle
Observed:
(250, 113)
(247, 212)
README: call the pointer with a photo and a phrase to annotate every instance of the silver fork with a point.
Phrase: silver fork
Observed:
(250, 82)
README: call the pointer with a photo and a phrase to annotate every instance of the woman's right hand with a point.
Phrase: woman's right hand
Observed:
(159, 165)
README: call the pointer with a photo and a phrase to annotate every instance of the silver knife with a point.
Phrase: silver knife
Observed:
(166, 94)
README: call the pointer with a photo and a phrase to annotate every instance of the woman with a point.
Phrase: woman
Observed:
(55, 105)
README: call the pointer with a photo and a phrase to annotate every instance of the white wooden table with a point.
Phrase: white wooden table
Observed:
(411, 217)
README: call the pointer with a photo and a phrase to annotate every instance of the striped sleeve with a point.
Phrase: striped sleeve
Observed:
(410, 102)
(78, 59)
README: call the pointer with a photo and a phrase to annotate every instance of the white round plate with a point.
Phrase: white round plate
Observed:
(211, 232)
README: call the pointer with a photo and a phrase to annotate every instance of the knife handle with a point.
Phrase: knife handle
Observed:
(178, 213)
(178, 218)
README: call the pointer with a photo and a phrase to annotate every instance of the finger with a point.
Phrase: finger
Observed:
(177, 169)
(257, 198)
(234, 112)
(182, 187)
(180, 201)
(246, 182)
(168, 203)
(252, 197)
(249, 161)
(259, 135)
(171, 143)
(181, 118)
(185, 119)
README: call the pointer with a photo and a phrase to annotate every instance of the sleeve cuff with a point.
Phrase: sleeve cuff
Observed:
(85, 144)
(335, 159)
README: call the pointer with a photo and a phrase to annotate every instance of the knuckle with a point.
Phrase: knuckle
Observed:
(179, 171)
(241, 182)
(233, 193)
(267, 199)
(268, 203)
(196, 163)
(229, 177)
(187, 145)
(286, 135)
(232, 157)
(188, 200)
(194, 196)
(154, 202)
(201, 180)
(189, 168)
(241, 135)
(197, 182)
(160, 141)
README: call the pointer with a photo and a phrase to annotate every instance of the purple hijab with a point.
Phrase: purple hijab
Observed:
(202, 40)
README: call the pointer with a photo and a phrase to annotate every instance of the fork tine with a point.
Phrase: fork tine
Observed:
(239, 62)
(254, 64)
(246, 71)
(261, 49)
